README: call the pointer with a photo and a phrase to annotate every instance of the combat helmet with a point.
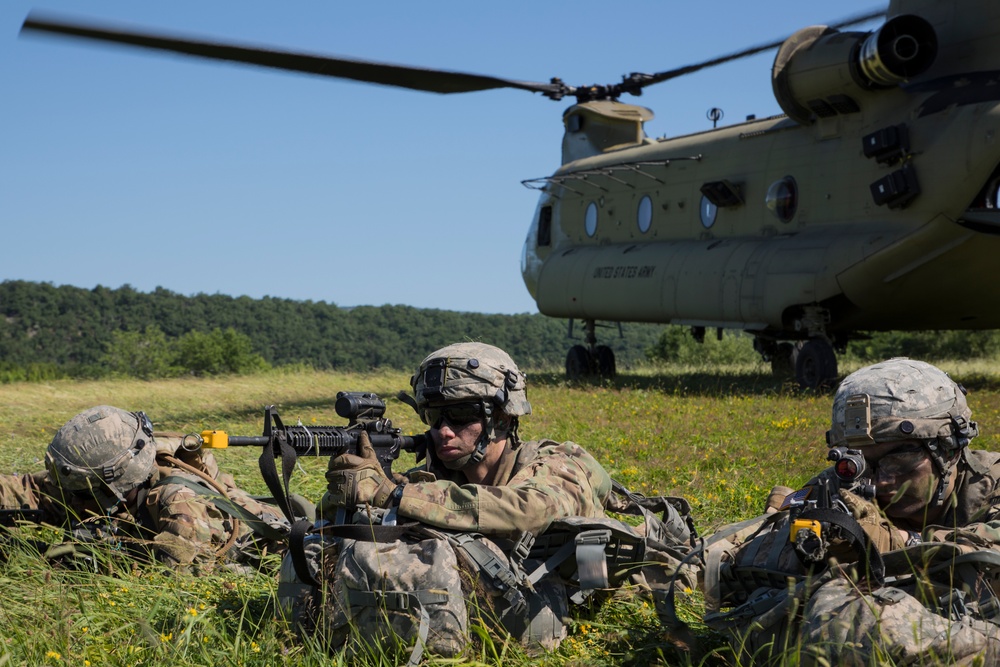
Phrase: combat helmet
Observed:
(903, 399)
(103, 452)
(472, 373)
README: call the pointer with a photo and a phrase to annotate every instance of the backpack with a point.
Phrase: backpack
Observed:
(394, 590)
(420, 589)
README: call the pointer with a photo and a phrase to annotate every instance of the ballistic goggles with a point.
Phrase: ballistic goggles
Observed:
(898, 463)
(456, 414)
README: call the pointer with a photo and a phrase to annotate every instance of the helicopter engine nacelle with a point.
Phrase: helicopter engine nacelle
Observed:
(820, 72)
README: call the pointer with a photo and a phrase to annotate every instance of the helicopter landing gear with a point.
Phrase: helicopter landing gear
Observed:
(782, 366)
(590, 359)
(815, 363)
(811, 363)
(606, 367)
(579, 362)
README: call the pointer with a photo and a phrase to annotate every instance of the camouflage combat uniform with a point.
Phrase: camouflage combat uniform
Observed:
(536, 483)
(174, 522)
(486, 494)
(841, 624)
(938, 603)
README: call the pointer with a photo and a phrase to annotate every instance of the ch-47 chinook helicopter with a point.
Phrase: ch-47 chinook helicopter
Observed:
(870, 205)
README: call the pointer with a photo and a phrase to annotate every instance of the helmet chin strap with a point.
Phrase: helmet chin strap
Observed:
(943, 467)
(963, 431)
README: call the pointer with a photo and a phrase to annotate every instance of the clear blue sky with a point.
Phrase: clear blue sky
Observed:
(122, 166)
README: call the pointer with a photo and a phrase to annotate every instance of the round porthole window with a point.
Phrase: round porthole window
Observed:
(782, 199)
(590, 220)
(708, 212)
(644, 215)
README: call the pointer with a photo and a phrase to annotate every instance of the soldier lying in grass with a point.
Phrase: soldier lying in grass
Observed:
(481, 498)
(905, 576)
(109, 478)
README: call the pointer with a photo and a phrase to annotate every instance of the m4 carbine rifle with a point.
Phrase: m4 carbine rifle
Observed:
(364, 412)
(819, 515)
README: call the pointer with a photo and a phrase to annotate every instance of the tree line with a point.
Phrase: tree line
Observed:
(49, 331)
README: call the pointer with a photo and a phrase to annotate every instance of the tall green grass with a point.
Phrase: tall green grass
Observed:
(721, 438)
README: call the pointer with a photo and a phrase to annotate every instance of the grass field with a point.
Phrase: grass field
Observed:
(721, 438)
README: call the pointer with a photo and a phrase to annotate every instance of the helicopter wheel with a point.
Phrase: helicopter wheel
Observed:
(579, 362)
(782, 366)
(815, 363)
(606, 362)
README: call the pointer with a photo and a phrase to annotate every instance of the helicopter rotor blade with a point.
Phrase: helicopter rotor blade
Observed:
(402, 76)
(642, 80)
(387, 74)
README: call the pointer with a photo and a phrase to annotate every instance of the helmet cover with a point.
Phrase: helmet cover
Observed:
(102, 448)
(471, 372)
(901, 399)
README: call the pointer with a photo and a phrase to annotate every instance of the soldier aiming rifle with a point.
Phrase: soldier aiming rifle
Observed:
(366, 424)
(930, 517)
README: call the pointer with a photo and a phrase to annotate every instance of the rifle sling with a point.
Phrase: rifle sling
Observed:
(874, 565)
(367, 532)
(269, 471)
(297, 550)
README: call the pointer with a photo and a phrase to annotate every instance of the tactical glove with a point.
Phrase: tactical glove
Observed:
(358, 479)
(883, 534)
(776, 498)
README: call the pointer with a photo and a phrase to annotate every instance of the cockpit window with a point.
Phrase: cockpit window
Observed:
(545, 226)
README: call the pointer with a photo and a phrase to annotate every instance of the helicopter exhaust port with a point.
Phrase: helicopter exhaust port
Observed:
(819, 72)
(904, 47)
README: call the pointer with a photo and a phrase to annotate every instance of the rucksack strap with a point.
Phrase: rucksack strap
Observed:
(667, 609)
(674, 520)
(403, 601)
(495, 569)
(366, 532)
(227, 506)
(589, 547)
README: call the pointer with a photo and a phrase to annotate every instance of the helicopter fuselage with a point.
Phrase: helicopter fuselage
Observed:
(875, 213)
(873, 203)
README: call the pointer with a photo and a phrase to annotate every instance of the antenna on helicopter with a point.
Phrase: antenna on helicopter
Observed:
(715, 114)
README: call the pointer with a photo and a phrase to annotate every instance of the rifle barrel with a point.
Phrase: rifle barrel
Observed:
(247, 441)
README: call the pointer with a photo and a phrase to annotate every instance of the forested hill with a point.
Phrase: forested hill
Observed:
(72, 328)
